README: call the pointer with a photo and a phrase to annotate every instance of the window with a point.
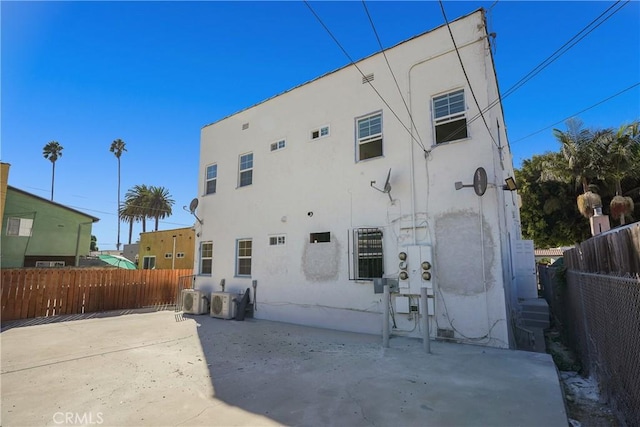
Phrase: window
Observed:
(277, 240)
(449, 117)
(168, 255)
(180, 255)
(19, 227)
(206, 257)
(149, 263)
(278, 145)
(243, 265)
(368, 250)
(321, 132)
(246, 170)
(369, 132)
(320, 237)
(212, 179)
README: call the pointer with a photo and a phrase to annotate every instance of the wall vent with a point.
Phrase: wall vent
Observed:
(245, 126)
(368, 78)
(445, 333)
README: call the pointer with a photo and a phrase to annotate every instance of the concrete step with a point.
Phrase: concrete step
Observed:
(544, 324)
(534, 315)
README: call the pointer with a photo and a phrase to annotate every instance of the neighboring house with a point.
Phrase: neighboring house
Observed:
(37, 232)
(4, 177)
(131, 251)
(167, 249)
(552, 254)
(312, 194)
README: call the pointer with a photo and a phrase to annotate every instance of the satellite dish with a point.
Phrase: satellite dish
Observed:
(193, 206)
(480, 181)
(387, 186)
(192, 209)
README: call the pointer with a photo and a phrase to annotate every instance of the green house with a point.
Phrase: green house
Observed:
(37, 232)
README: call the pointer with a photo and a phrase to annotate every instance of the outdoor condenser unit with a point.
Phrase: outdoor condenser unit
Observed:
(223, 305)
(193, 301)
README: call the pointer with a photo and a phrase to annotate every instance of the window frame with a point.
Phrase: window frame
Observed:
(456, 117)
(280, 145)
(246, 170)
(369, 250)
(208, 179)
(369, 139)
(320, 130)
(149, 257)
(239, 257)
(19, 227)
(278, 240)
(203, 258)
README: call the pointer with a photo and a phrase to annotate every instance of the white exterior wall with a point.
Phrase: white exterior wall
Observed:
(309, 283)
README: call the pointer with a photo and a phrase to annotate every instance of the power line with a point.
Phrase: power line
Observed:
(552, 58)
(444, 15)
(579, 112)
(363, 75)
(392, 74)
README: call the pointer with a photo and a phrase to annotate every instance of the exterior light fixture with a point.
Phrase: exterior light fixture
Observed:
(510, 184)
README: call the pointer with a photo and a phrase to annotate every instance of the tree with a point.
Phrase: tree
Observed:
(117, 148)
(130, 214)
(159, 204)
(577, 150)
(94, 242)
(136, 204)
(52, 152)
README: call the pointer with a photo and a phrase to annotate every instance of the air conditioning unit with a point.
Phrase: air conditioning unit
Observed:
(193, 301)
(223, 305)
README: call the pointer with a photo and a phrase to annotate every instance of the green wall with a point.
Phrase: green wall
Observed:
(54, 232)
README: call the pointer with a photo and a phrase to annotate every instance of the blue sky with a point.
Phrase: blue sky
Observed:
(154, 73)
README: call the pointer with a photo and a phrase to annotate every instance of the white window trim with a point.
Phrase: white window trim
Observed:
(239, 257)
(450, 117)
(280, 145)
(168, 255)
(149, 257)
(240, 170)
(370, 138)
(206, 179)
(180, 255)
(319, 129)
(25, 226)
(205, 258)
(277, 240)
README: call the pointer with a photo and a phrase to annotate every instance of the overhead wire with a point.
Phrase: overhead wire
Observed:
(549, 60)
(579, 112)
(363, 75)
(444, 15)
(366, 9)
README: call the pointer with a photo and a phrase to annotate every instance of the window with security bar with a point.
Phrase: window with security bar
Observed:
(449, 117)
(368, 257)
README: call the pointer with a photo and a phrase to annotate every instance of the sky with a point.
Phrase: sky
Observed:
(154, 73)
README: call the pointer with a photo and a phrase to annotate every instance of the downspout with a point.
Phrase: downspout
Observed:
(77, 261)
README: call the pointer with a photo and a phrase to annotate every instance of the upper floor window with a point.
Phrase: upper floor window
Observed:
(211, 179)
(246, 170)
(449, 117)
(369, 133)
(278, 145)
(19, 227)
(277, 240)
(321, 132)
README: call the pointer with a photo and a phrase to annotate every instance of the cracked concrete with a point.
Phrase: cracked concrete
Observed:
(160, 369)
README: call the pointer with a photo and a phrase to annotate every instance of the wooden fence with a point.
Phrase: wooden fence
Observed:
(43, 292)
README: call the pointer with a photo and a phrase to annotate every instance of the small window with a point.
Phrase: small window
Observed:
(277, 240)
(368, 249)
(245, 126)
(278, 145)
(243, 258)
(320, 237)
(149, 263)
(211, 179)
(449, 117)
(206, 257)
(369, 132)
(246, 170)
(20, 227)
(321, 132)
(168, 255)
(180, 255)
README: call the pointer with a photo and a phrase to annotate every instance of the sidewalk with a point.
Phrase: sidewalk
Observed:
(162, 369)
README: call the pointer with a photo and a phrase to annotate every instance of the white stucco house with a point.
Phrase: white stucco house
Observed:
(315, 192)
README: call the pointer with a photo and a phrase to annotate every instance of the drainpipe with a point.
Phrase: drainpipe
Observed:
(77, 261)
(173, 254)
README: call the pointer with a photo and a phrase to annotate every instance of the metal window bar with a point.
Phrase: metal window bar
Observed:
(369, 254)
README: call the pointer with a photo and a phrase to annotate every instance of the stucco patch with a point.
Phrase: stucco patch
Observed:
(320, 261)
(458, 251)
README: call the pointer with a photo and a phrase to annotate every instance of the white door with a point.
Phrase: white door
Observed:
(525, 269)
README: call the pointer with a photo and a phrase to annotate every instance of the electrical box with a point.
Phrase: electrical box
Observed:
(402, 305)
(378, 285)
(415, 264)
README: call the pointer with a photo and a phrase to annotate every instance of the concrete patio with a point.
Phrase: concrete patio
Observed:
(163, 369)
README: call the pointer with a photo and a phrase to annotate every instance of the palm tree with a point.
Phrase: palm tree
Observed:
(160, 203)
(128, 213)
(52, 151)
(137, 203)
(117, 148)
